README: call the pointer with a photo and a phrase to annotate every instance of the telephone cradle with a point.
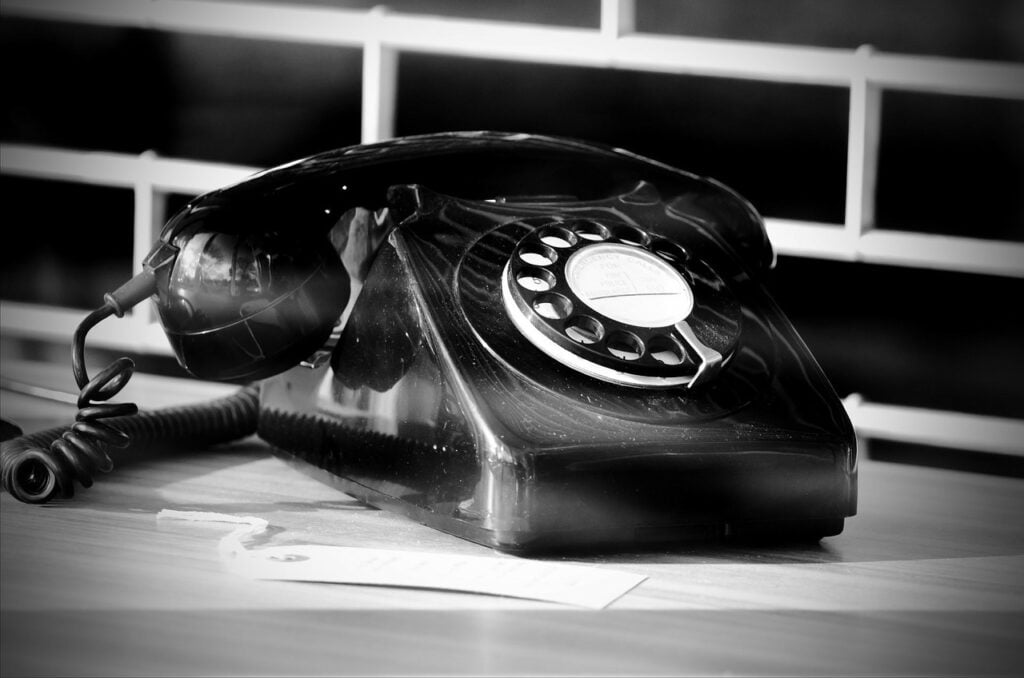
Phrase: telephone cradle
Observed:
(530, 342)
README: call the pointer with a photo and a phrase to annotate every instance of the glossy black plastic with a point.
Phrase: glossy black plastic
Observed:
(434, 404)
(241, 295)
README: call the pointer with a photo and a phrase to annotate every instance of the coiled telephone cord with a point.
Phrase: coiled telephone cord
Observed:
(37, 467)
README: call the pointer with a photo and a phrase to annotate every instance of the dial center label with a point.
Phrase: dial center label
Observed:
(630, 285)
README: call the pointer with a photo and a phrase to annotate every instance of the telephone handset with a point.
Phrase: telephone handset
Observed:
(529, 342)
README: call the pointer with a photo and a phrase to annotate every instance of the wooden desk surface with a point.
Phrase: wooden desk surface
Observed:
(927, 579)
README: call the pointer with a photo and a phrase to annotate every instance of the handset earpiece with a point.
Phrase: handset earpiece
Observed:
(239, 304)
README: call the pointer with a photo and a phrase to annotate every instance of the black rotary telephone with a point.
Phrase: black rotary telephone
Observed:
(529, 342)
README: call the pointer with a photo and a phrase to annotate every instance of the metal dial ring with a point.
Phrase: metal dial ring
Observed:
(612, 301)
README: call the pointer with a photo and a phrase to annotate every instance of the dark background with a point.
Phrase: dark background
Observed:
(948, 164)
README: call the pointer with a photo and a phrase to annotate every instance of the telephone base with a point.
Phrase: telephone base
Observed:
(639, 505)
(577, 374)
(590, 539)
(604, 538)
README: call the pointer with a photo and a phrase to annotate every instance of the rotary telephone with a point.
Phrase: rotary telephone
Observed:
(529, 342)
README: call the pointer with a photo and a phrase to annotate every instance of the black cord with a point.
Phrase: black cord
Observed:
(38, 467)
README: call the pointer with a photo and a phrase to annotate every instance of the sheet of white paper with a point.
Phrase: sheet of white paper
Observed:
(581, 585)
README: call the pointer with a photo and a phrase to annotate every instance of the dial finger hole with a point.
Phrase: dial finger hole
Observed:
(536, 254)
(628, 235)
(669, 251)
(552, 306)
(625, 346)
(584, 330)
(535, 279)
(590, 230)
(556, 236)
(666, 350)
